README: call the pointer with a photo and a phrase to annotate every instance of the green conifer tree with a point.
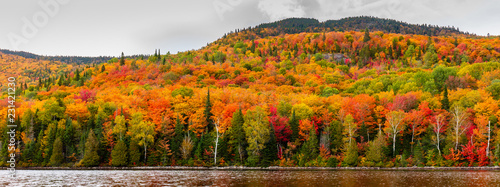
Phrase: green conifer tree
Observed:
(310, 147)
(77, 75)
(61, 80)
(208, 112)
(270, 152)
(375, 151)
(68, 138)
(91, 158)
(237, 136)
(122, 60)
(366, 38)
(119, 154)
(134, 153)
(351, 155)
(178, 137)
(294, 126)
(336, 136)
(57, 157)
(445, 102)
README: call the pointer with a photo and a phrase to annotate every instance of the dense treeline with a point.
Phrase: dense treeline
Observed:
(298, 25)
(307, 99)
(79, 60)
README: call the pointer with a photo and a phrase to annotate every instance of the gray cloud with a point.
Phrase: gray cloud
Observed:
(95, 27)
(279, 9)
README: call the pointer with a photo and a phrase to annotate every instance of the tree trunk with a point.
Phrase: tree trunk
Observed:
(368, 135)
(350, 137)
(456, 137)
(412, 135)
(280, 151)
(394, 144)
(216, 143)
(240, 151)
(488, 147)
(144, 152)
(437, 135)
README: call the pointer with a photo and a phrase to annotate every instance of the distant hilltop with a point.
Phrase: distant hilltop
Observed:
(298, 25)
(293, 26)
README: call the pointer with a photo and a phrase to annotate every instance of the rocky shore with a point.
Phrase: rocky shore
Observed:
(272, 168)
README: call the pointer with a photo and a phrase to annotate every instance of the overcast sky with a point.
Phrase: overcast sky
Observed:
(108, 27)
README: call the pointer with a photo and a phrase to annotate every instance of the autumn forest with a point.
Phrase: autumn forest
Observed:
(290, 93)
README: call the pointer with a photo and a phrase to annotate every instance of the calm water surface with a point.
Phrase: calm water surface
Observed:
(250, 178)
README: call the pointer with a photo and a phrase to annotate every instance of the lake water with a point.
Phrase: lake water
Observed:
(248, 178)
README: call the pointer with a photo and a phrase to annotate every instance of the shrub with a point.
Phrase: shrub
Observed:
(332, 162)
(183, 91)
(57, 153)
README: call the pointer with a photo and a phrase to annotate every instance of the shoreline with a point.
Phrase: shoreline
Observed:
(272, 168)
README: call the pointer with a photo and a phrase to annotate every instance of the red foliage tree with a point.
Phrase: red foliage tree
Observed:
(86, 95)
(282, 130)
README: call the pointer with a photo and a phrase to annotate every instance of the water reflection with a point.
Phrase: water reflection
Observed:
(250, 178)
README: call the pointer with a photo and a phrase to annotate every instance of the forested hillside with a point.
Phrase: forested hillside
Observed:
(298, 25)
(257, 98)
(63, 59)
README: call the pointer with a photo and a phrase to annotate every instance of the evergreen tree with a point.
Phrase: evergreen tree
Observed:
(270, 152)
(208, 112)
(178, 137)
(497, 152)
(40, 82)
(198, 152)
(57, 157)
(39, 147)
(419, 155)
(134, 153)
(223, 148)
(237, 135)
(207, 145)
(50, 143)
(68, 138)
(366, 38)
(4, 152)
(61, 80)
(91, 158)
(351, 155)
(68, 80)
(445, 103)
(103, 68)
(119, 154)
(29, 152)
(294, 126)
(375, 151)
(77, 75)
(310, 147)
(336, 136)
(122, 60)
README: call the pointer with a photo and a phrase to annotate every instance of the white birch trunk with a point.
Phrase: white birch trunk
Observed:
(216, 142)
(488, 147)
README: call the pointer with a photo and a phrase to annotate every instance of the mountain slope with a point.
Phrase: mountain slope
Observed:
(289, 100)
(298, 25)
